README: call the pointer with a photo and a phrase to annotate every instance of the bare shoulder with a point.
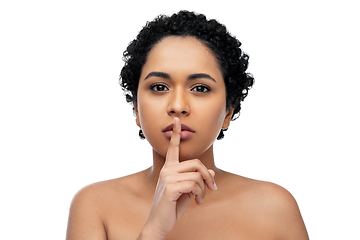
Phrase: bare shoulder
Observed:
(269, 194)
(91, 206)
(269, 206)
(85, 221)
(94, 192)
(100, 194)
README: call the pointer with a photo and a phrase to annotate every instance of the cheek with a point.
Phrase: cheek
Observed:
(149, 118)
(213, 111)
(151, 124)
(211, 116)
(146, 110)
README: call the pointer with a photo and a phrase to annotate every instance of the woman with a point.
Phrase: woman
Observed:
(186, 77)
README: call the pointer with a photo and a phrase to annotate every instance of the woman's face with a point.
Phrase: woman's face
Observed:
(181, 78)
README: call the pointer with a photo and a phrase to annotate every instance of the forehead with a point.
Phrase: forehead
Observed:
(175, 54)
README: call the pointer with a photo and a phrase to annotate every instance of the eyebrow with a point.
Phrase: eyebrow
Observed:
(158, 74)
(191, 76)
(200, 75)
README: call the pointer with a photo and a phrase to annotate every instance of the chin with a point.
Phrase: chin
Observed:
(192, 153)
(188, 148)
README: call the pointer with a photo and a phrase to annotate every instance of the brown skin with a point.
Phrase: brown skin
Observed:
(170, 200)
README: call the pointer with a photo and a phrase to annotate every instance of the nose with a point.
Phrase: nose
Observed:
(178, 103)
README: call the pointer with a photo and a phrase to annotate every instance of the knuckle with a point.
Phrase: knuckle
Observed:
(199, 164)
(193, 185)
(199, 177)
(197, 161)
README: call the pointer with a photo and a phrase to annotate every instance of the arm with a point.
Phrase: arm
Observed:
(293, 226)
(284, 214)
(84, 219)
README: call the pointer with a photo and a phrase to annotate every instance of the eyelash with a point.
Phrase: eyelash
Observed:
(152, 87)
(203, 87)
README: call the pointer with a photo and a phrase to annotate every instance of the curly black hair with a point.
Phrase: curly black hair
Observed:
(232, 60)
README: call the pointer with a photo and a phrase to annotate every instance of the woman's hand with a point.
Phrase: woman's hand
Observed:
(178, 184)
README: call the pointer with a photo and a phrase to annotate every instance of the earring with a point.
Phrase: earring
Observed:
(221, 134)
(141, 135)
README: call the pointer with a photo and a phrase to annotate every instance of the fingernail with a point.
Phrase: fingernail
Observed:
(215, 187)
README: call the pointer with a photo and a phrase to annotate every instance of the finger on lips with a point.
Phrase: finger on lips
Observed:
(193, 172)
(172, 155)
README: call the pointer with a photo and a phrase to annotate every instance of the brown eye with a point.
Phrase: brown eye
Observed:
(158, 87)
(200, 88)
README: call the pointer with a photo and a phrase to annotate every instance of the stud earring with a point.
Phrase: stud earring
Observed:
(141, 135)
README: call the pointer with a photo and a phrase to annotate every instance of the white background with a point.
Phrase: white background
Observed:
(65, 123)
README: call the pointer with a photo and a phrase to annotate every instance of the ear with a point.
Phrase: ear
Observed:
(137, 115)
(229, 113)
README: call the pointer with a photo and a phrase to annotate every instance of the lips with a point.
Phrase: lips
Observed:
(183, 128)
(186, 131)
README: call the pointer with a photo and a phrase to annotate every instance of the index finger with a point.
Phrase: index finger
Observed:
(172, 155)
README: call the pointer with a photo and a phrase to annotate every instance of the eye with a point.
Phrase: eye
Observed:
(200, 88)
(158, 87)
